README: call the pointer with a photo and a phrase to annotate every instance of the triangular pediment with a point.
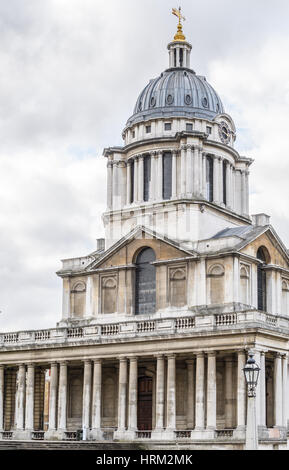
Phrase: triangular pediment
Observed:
(270, 240)
(123, 252)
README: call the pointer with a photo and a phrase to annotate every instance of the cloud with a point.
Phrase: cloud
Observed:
(70, 75)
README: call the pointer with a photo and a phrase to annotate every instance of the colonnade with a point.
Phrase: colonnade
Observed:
(188, 179)
(201, 407)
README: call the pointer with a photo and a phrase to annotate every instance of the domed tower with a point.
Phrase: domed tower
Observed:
(178, 173)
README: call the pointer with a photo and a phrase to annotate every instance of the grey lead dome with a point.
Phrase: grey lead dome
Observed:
(177, 92)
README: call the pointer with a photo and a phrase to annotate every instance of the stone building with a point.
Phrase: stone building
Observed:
(157, 322)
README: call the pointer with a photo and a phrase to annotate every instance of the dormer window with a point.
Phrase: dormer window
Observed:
(189, 127)
(168, 126)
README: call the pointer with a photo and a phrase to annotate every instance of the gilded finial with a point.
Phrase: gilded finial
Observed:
(179, 36)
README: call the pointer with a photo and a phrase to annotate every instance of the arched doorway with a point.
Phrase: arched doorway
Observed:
(145, 286)
(144, 408)
(261, 279)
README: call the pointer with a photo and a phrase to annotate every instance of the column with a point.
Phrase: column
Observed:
(258, 389)
(204, 176)
(247, 191)
(135, 181)
(160, 393)
(96, 399)
(174, 174)
(141, 179)
(236, 279)
(220, 162)
(215, 180)
(20, 397)
(228, 185)
(152, 194)
(1, 397)
(109, 184)
(211, 392)
(132, 395)
(189, 171)
(241, 391)
(200, 392)
(284, 389)
(88, 298)
(62, 396)
(191, 395)
(115, 197)
(53, 396)
(195, 171)
(65, 298)
(278, 391)
(233, 189)
(243, 192)
(200, 172)
(160, 175)
(183, 170)
(228, 392)
(128, 182)
(86, 398)
(29, 408)
(122, 394)
(171, 393)
(262, 380)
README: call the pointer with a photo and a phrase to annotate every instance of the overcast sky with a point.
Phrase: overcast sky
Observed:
(70, 73)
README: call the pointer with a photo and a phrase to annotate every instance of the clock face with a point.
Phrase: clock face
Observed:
(224, 132)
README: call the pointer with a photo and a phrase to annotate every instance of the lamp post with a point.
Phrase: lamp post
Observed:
(251, 372)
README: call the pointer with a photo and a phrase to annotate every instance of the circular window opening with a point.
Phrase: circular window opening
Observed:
(153, 101)
(170, 99)
(188, 99)
(205, 102)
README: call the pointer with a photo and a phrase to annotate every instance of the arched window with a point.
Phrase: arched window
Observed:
(244, 285)
(216, 277)
(209, 178)
(78, 299)
(145, 288)
(108, 295)
(262, 255)
(285, 297)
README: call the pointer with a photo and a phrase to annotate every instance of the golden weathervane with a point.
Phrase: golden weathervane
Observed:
(179, 36)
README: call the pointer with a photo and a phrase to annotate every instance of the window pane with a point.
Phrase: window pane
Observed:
(167, 175)
(147, 177)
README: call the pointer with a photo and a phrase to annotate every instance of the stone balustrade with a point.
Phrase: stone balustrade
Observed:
(154, 325)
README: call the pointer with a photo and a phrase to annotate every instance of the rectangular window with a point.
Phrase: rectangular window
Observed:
(209, 130)
(133, 134)
(189, 127)
(148, 129)
(147, 177)
(168, 126)
(209, 178)
(167, 175)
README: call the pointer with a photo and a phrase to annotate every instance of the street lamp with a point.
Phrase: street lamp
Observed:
(251, 372)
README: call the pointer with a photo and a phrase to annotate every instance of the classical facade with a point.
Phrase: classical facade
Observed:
(157, 322)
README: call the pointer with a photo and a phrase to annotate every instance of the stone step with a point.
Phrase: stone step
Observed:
(75, 445)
